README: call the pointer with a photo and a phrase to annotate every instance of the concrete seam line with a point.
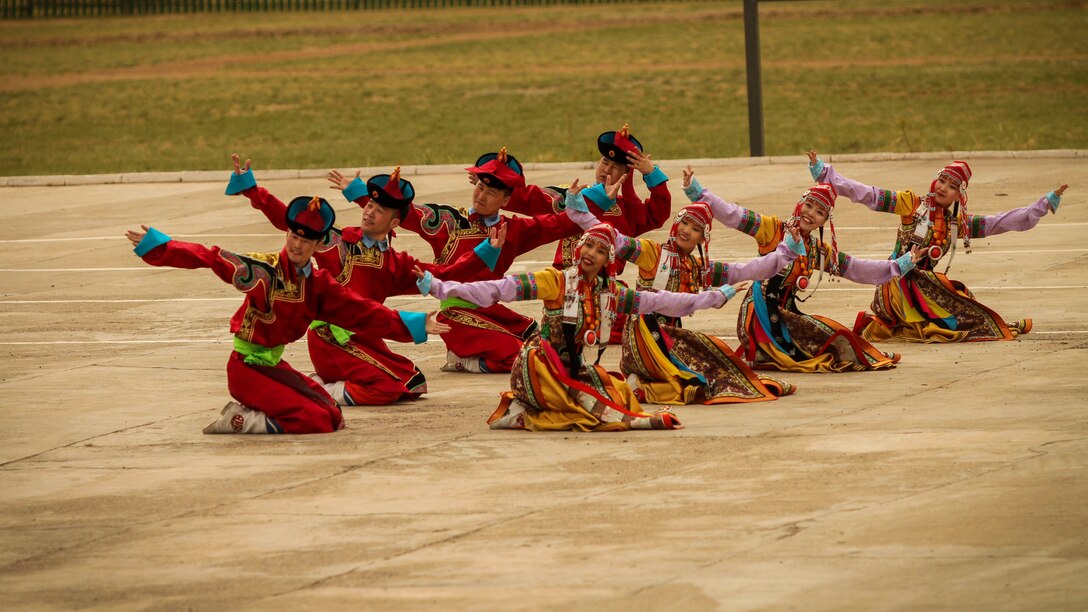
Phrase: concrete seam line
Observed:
(217, 176)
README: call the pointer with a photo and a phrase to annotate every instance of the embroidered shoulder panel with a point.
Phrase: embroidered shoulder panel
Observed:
(251, 269)
(439, 216)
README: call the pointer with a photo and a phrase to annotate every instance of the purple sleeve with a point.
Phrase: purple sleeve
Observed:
(855, 190)
(761, 267)
(1017, 219)
(481, 293)
(584, 220)
(726, 212)
(870, 271)
(678, 304)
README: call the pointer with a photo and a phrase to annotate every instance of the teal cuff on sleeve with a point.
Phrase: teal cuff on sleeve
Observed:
(655, 178)
(575, 201)
(797, 246)
(816, 169)
(1053, 199)
(240, 182)
(694, 191)
(729, 291)
(489, 254)
(355, 190)
(416, 322)
(152, 239)
(905, 263)
(424, 284)
(598, 196)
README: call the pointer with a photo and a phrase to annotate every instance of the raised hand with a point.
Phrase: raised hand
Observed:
(498, 235)
(688, 174)
(815, 165)
(1061, 189)
(473, 179)
(135, 236)
(613, 189)
(793, 241)
(639, 161)
(339, 181)
(238, 169)
(433, 326)
(917, 253)
(423, 280)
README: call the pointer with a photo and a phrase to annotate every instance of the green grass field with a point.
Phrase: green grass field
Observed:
(317, 90)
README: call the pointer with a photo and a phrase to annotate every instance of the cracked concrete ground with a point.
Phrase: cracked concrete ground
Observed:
(955, 481)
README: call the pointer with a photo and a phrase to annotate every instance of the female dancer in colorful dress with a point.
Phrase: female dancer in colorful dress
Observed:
(925, 305)
(664, 363)
(773, 332)
(557, 382)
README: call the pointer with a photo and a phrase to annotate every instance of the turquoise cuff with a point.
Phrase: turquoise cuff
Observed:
(489, 254)
(575, 201)
(905, 263)
(424, 284)
(694, 191)
(598, 196)
(729, 291)
(153, 238)
(240, 182)
(416, 322)
(655, 178)
(797, 246)
(1053, 199)
(355, 189)
(816, 169)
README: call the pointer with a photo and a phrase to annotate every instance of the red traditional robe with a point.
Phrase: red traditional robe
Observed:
(279, 305)
(372, 372)
(494, 333)
(631, 215)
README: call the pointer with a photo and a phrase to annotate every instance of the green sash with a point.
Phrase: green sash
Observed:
(342, 335)
(255, 354)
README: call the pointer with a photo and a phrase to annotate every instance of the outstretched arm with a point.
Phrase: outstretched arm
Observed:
(1017, 219)
(365, 317)
(878, 271)
(874, 198)
(728, 213)
(246, 274)
(481, 293)
(766, 266)
(682, 304)
(242, 182)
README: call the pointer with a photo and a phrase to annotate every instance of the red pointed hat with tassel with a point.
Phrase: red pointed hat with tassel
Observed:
(310, 217)
(499, 170)
(390, 190)
(616, 145)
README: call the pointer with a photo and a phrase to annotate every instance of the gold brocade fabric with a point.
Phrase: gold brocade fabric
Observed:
(696, 369)
(937, 310)
(550, 404)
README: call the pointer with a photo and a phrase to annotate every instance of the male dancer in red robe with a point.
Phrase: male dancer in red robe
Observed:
(363, 370)
(481, 339)
(283, 294)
